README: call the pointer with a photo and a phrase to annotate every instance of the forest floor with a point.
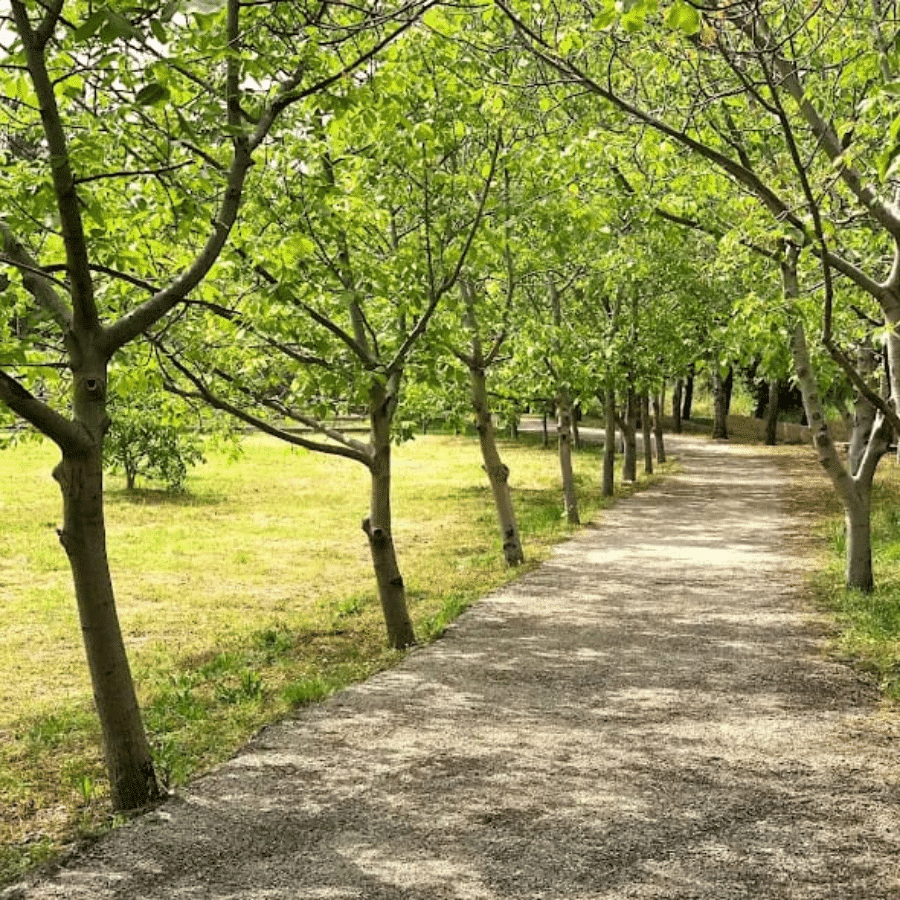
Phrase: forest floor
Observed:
(653, 713)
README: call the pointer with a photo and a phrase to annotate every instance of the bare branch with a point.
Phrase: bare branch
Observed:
(131, 173)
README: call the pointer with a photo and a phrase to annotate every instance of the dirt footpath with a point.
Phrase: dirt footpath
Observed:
(649, 715)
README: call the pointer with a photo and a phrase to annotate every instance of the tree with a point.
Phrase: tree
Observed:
(792, 106)
(176, 108)
(150, 438)
(478, 362)
(378, 205)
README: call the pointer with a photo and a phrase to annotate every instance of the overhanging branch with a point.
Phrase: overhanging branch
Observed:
(66, 434)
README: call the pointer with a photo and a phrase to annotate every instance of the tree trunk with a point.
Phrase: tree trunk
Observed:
(853, 491)
(497, 472)
(677, 396)
(132, 778)
(378, 525)
(609, 444)
(772, 411)
(646, 434)
(857, 522)
(728, 387)
(564, 409)
(864, 414)
(761, 392)
(720, 420)
(83, 535)
(658, 400)
(688, 396)
(892, 363)
(628, 424)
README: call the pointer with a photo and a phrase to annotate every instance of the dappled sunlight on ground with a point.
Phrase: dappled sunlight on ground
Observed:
(647, 715)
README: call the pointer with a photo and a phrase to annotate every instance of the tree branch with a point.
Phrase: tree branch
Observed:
(343, 446)
(452, 277)
(237, 318)
(755, 28)
(84, 309)
(368, 359)
(34, 279)
(749, 179)
(142, 317)
(67, 435)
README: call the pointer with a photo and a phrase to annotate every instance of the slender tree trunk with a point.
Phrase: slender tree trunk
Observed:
(720, 420)
(761, 394)
(892, 363)
(378, 524)
(646, 434)
(129, 763)
(497, 472)
(658, 400)
(83, 535)
(728, 387)
(853, 491)
(564, 409)
(858, 529)
(772, 411)
(628, 425)
(688, 403)
(609, 444)
(864, 414)
(677, 397)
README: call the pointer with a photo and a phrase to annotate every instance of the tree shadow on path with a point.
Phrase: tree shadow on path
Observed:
(648, 715)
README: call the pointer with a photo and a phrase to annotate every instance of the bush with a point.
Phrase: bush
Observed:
(150, 438)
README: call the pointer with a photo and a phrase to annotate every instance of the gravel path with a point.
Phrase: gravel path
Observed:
(648, 715)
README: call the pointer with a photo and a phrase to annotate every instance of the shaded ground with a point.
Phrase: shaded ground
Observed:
(648, 715)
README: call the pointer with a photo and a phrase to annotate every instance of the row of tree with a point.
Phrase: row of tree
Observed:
(290, 212)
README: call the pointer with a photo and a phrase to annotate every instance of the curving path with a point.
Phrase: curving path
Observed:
(648, 715)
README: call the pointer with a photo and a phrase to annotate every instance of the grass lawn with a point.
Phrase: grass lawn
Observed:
(249, 594)
(867, 625)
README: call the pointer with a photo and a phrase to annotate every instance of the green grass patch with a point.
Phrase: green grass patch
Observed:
(867, 625)
(241, 599)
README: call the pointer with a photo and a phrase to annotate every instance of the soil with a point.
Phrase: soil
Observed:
(650, 714)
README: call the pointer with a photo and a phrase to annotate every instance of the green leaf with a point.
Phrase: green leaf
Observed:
(117, 26)
(423, 133)
(90, 26)
(95, 211)
(604, 19)
(151, 93)
(159, 32)
(185, 126)
(683, 17)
